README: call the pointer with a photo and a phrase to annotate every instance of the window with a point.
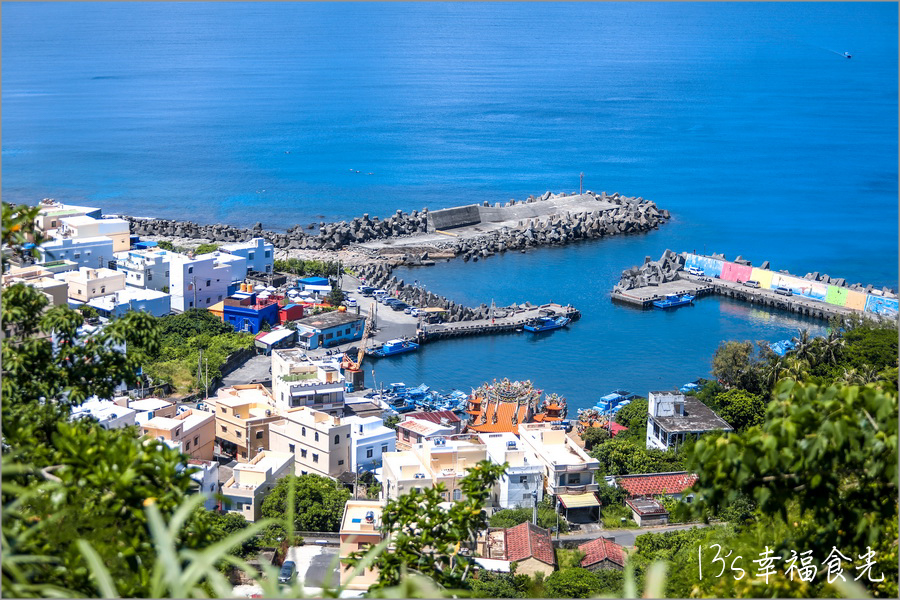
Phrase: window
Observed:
(220, 296)
(369, 453)
(303, 453)
(259, 434)
(268, 253)
(78, 255)
(337, 439)
(177, 432)
(303, 431)
(347, 332)
(291, 448)
(187, 445)
(102, 289)
(237, 432)
(384, 448)
(340, 462)
(93, 290)
(196, 440)
(243, 455)
(689, 499)
(190, 269)
(315, 458)
(328, 336)
(224, 429)
(457, 495)
(317, 436)
(222, 408)
(149, 276)
(207, 300)
(575, 479)
(191, 304)
(208, 283)
(251, 255)
(523, 478)
(167, 273)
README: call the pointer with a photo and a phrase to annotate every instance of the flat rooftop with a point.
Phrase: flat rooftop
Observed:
(697, 417)
(330, 319)
(355, 521)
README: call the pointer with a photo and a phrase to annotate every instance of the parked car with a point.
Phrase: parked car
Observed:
(695, 271)
(288, 571)
(784, 291)
(351, 302)
(408, 310)
(365, 290)
(414, 311)
(399, 306)
(751, 284)
(390, 301)
(379, 294)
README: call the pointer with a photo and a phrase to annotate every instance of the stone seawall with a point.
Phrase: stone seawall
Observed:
(561, 219)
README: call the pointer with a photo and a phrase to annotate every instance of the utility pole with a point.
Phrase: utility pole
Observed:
(200, 368)
(535, 511)
(581, 184)
(206, 362)
(557, 516)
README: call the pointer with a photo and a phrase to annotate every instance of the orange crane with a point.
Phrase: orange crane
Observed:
(348, 363)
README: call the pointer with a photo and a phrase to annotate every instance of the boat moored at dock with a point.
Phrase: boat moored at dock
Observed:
(393, 347)
(674, 301)
(541, 324)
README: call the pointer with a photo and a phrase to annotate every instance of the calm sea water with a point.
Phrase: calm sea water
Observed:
(742, 119)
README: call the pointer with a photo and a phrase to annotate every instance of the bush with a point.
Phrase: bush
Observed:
(574, 583)
(206, 248)
(510, 517)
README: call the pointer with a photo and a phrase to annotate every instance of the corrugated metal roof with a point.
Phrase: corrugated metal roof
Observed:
(579, 500)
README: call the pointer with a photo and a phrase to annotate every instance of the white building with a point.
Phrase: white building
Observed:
(146, 269)
(92, 252)
(418, 431)
(109, 414)
(84, 226)
(370, 439)
(259, 253)
(205, 474)
(238, 265)
(197, 282)
(149, 408)
(523, 482)
(252, 481)
(299, 381)
(120, 302)
(674, 417)
(51, 213)
(86, 284)
(568, 469)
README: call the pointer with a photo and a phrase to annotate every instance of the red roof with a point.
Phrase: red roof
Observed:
(527, 540)
(600, 550)
(657, 484)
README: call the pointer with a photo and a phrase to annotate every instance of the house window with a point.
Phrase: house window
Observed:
(315, 458)
(369, 453)
(149, 276)
(243, 455)
(384, 448)
(187, 445)
(303, 453)
(224, 429)
(689, 498)
(237, 432)
(291, 448)
(167, 273)
(340, 462)
(222, 408)
(191, 304)
(177, 432)
(303, 431)
(523, 478)
(78, 255)
(251, 255)
(575, 479)
(328, 336)
(268, 253)
(259, 435)
(190, 269)
(196, 440)
(207, 300)
(457, 495)
(220, 296)
(337, 439)
(208, 283)
(317, 436)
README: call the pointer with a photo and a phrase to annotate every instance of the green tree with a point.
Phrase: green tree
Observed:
(391, 421)
(166, 245)
(206, 249)
(573, 583)
(510, 517)
(634, 417)
(318, 502)
(335, 296)
(740, 409)
(426, 538)
(622, 456)
(741, 365)
(595, 435)
(88, 312)
(825, 459)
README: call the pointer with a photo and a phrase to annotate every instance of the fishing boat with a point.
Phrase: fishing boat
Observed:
(541, 324)
(613, 401)
(674, 301)
(393, 347)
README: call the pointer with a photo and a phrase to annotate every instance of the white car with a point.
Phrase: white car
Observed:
(351, 302)
(414, 312)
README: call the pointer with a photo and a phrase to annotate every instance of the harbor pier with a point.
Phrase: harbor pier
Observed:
(511, 321)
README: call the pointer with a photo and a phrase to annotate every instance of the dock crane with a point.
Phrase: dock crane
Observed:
(352, 364)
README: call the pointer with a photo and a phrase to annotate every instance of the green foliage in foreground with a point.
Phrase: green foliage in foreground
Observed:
(510, 517)
(581, 583)
(318, 504)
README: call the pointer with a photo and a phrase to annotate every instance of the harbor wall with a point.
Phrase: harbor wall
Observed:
(839, 294)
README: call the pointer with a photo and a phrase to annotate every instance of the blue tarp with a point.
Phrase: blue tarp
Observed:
(313, 281)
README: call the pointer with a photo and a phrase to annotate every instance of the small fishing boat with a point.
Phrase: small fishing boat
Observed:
(674, 301)
(541, 324)
(847, 55)
(393, 347)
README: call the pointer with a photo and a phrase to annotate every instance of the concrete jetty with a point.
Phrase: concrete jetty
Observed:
(511, 320)
(814, 295)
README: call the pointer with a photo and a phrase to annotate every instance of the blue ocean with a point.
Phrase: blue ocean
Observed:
(745, 120)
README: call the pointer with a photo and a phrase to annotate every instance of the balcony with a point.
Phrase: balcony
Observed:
(573, 489)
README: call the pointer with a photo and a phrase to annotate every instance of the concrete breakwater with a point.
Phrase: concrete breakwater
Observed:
(815, 295)
(379, 275)
(474, 231)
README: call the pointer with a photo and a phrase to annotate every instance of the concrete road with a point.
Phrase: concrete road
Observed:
(256, 370)
(313, 562)
(623, 537)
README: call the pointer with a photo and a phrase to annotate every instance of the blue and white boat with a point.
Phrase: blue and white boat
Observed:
(393, 347)
(613, 401)
(674, 301)
(541, 324)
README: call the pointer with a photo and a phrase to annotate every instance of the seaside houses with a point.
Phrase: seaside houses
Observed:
(247, 311)
(299, 381)
(193, 430)
(418, 431)
(602, 554)
(676, 485)
(83, 226)
(329, 329)
(86, 284)
(85, 252)
(145, 269)
(369, 439)
(197, 282)
(672, 417)
(569, 472)
(438, 461)
(360, 530)
(528, 545)
(320, 443)
(522, 485)
(40, 278)
(107, 413)
(205, 474)
(148, 408)
(252, 481)
(243, 415)
(258, 254)
(51, 213)
(120, 302)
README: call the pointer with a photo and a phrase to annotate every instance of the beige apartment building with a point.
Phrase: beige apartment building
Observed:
(57, 291)
(243, 414)
(360, 530)
(436, 461)
(319, 442)
(84, 226)
(194, 430)
(86, 284)
(299, 381)
(252, 481)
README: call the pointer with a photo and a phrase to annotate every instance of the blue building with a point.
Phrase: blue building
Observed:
(118, 303)
(91, 252)
(329, 329)
(316, 285)
(247, 312)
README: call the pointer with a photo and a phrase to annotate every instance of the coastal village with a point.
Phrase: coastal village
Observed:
(296, 402)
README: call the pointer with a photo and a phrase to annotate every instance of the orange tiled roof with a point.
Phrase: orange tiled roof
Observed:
(505, 414)
(656, 484)
(527, 540)
(601, 549)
